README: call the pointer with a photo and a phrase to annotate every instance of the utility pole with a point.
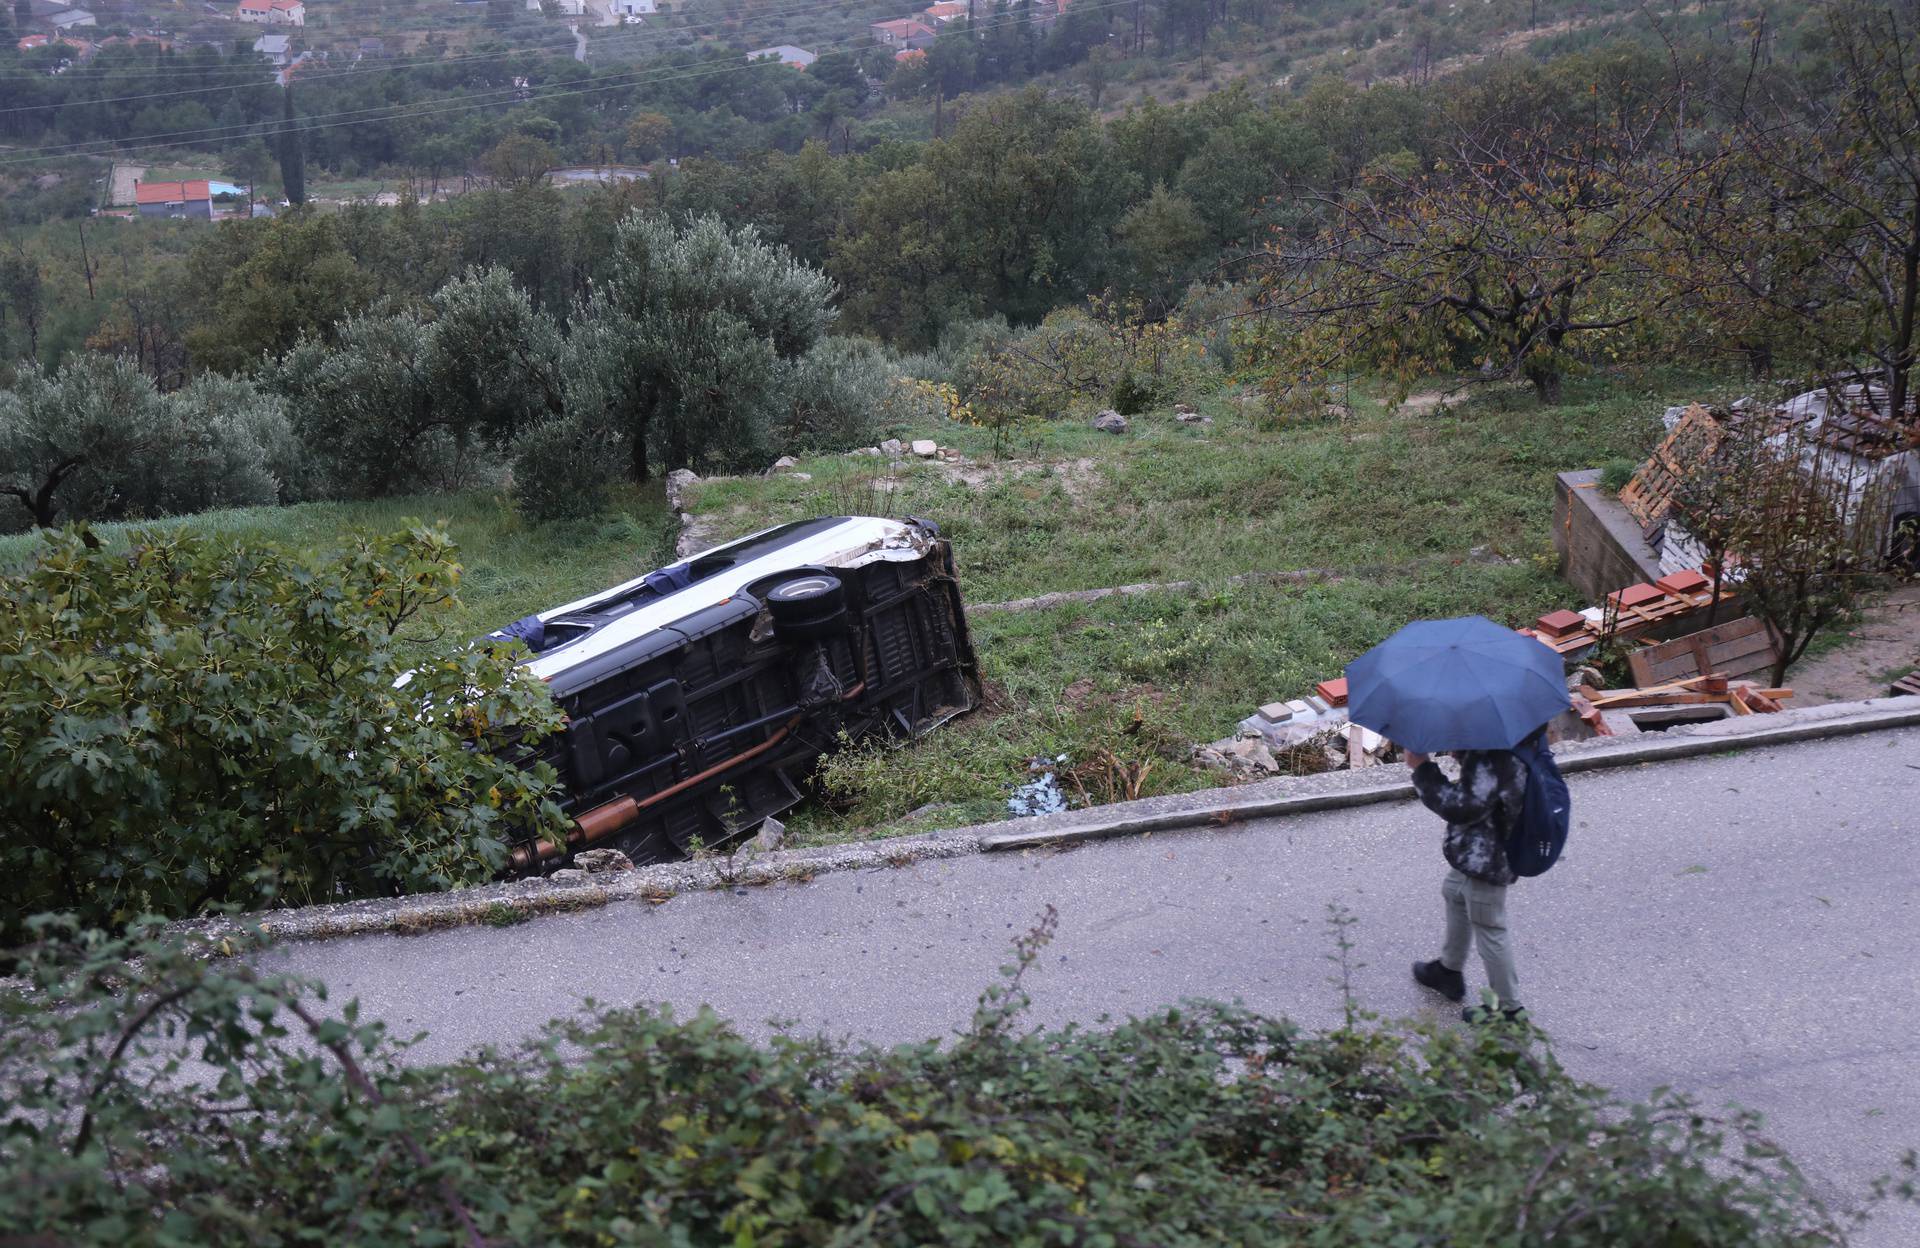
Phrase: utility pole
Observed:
(86, 262)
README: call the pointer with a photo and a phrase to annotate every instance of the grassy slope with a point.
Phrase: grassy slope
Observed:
(1395, 502)
(511, 568)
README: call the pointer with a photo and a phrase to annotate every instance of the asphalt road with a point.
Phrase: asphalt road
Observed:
(1745, 928)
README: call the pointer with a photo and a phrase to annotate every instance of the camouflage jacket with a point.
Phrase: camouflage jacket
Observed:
(1480, 808)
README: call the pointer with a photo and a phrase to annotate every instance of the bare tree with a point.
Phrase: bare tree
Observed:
(1534, 239)
(1840, 149)
(1799, 518)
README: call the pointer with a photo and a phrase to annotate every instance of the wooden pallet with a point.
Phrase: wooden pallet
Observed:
(1739, 648)
(1908, 684)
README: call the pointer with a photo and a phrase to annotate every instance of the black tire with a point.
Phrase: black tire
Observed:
(809, 606)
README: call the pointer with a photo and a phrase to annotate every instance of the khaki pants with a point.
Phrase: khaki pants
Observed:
(1478, 909)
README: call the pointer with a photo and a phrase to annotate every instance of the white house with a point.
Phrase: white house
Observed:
(276, 48)
(70, 18)
(272, 12)
(635, 8)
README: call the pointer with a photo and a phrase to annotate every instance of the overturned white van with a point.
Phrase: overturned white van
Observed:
(700, 697)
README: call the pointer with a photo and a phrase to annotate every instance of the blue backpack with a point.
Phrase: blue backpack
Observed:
(1536, 840)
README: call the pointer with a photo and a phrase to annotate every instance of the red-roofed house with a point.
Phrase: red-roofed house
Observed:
(273, 12)
(903, 32)
(174, 199)
(946, 11)
(910, 54)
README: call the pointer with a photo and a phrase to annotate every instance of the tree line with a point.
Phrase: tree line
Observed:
(699, 346)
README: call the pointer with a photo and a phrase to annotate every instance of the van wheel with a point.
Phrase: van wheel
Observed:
(809, 606)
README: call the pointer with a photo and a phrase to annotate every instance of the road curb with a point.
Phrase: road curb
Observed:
(1209, 809)
(520, 900)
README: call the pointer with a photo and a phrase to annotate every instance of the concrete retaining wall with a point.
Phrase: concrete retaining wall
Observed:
(1599, 543)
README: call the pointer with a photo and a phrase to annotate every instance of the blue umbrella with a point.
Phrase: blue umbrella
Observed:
(1465, 684)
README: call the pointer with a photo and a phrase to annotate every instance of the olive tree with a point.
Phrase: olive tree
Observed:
(685, 345)
(424, 398)
(95, 440)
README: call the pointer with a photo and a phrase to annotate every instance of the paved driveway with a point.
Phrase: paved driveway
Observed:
(1743, 927)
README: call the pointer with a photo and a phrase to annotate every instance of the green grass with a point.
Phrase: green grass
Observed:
(1389, 504)
(510, 568)
(1170, 502)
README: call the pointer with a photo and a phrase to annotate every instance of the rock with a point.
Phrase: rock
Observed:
(892, 447)
(870, 451)
(1210, 758)
(1191, 417)
(786, 463)
(677, 482)
(602, 861)
(926, 448)
(1110, 421)
(1252, 755)
(1584, 677)
(771, 836)
(568, 875)
(799, 476)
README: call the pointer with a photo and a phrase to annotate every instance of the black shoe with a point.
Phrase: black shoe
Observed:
(1480, 1014)
(1450, 984)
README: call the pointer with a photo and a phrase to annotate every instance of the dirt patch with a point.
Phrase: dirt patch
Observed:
(124, 178)
(1422, 403)
(1078, 478)
(1883, 645)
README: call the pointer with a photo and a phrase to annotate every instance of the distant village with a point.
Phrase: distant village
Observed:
(75, 31)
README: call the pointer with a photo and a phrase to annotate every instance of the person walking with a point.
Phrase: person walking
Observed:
(1484, 694)
(1481, 809)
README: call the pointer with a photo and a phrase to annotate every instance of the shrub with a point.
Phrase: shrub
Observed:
(564, 470)
(1615, 473)
(1200, 1125)
(1110, 354)
(189, 723)
(835, 394)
